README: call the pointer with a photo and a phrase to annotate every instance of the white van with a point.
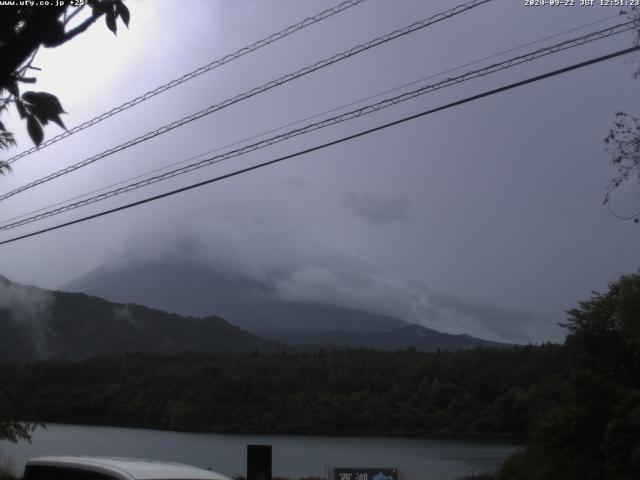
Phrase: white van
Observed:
(106, 468)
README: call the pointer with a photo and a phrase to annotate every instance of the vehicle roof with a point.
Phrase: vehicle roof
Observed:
(130, 468)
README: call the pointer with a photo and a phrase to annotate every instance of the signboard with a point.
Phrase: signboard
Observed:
(365, 474)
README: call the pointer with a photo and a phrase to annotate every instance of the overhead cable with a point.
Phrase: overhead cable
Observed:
(312, 117)
(255, 91)
(359, 112)
(328, 144)
(191, 75)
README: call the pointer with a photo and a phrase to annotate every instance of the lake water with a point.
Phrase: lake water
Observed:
(293, 456)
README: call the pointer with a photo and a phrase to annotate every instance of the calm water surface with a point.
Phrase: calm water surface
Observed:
(293, 456)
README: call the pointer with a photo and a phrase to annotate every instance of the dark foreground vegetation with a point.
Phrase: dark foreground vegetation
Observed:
(594, 433)
(577, 404)
(482, 393)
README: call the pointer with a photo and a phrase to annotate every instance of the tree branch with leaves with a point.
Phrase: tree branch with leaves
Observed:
(23, 30)
(623, 143)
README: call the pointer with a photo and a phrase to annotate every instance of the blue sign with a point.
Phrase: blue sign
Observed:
(365, 474)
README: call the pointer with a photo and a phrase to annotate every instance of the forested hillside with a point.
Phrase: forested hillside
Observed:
(594, 433)
(37, 324)
(481, 393)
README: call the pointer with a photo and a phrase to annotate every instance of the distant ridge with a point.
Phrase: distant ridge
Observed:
(411, 336)
(37, 324)
(250, 304)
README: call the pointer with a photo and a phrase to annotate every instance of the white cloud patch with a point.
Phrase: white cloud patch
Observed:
(123, 312)
(28, 306)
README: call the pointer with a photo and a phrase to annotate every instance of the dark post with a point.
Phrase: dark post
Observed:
(258, 462)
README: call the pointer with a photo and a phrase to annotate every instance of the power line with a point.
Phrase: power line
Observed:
(365, 110)
(255, 91)
(333, 120)
(297, 122)
(334, 142)
(193, 74)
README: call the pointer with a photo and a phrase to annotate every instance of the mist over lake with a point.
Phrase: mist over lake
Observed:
(293, 456)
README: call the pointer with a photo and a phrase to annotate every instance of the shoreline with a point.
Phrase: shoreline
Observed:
(507, 440)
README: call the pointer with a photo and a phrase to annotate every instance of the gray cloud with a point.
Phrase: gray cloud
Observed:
(506, 322)
(376, 210)
(300, 270)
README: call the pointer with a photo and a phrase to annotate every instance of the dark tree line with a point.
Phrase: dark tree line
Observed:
(481, 393)
(595, 433)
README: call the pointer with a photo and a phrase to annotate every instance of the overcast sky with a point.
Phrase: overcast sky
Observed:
(484, 219)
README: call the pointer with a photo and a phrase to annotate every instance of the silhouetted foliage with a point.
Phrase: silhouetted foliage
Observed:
(10, 429)
(623, 143)
(595, 433)
(23, 30)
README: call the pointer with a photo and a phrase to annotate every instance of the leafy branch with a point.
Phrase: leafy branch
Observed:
(623, 141)
(623, 144)
(23, 30)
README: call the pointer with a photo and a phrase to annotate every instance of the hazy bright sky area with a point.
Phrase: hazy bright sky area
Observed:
(484, 219)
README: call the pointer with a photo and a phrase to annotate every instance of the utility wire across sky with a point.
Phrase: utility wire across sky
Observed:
(191, 75)
(334, 142)
(365, 110)
(306, 119)
(414, 27)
